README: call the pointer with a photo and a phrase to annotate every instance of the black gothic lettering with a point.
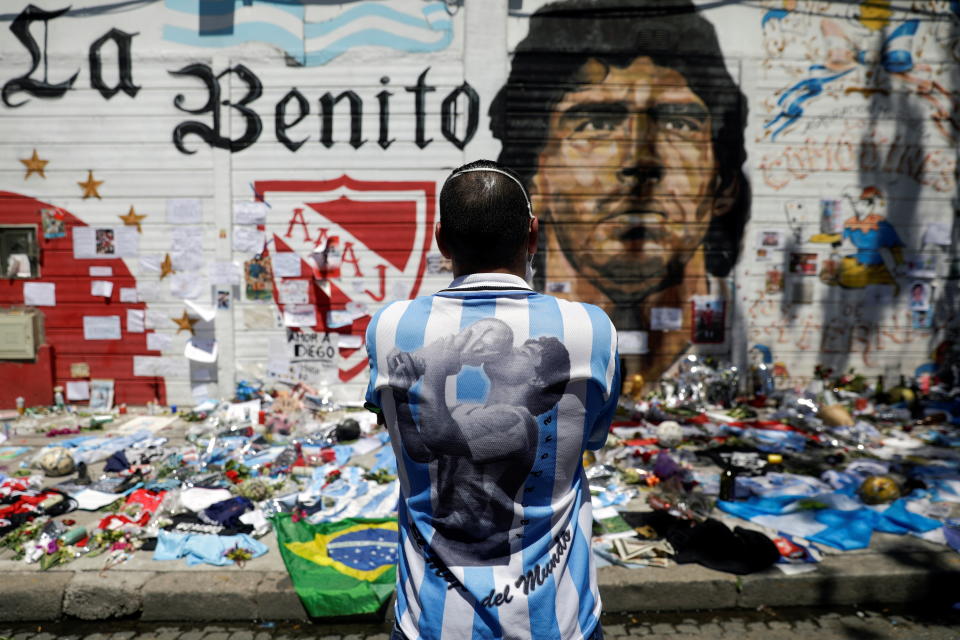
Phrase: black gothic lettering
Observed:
(384, 99)
(420, 90)
(448, 119)
(280, 121)
(125, 83)
(37, 88)
(327, 103)
(211, 134)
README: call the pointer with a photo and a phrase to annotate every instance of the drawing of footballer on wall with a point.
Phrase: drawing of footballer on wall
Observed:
(482, 448)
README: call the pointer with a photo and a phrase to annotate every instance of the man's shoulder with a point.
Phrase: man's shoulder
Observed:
(594, 312)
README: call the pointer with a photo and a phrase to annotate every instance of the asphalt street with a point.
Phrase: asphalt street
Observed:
(849, 623)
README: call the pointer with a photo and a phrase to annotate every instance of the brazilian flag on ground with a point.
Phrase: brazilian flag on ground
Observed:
(340, 568)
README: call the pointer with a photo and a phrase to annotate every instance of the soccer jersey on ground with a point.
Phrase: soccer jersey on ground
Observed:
(491, 393)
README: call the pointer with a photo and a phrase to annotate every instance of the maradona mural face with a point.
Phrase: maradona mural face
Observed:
(628, 129)
(715, 177)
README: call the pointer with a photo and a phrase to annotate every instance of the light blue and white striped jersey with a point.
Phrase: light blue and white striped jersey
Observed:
(491, 392)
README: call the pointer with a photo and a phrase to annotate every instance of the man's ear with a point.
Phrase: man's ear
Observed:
(441, 245)
(534, 236)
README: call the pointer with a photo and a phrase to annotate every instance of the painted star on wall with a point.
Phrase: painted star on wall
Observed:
(90, 187)
(132, 219)
(166, 267)
(34, 165)
(185, 323)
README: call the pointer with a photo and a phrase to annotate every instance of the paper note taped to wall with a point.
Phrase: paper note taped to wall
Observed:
(632, 342)
(39, 294)
(101, 327)
(666, 318)
(159, 341)
(300, 315)
(286, 264)
(293, 292)
(102, 288)
(184, 211)
(135, 320)
(250, 213)
(78, 390)
(91, 243)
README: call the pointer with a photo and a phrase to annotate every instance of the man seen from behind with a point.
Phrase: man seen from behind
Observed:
(492, 392)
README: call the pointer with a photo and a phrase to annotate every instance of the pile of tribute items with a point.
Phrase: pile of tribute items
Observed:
(796, 472)
(696, 471)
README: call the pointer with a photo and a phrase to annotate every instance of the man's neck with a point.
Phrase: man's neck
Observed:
(459, 272)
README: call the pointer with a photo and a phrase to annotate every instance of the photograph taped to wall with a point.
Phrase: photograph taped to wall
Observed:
(922, 319)
(104, 242)
(101, 394)
(258, 273)
(709, 324)
(803, 263)
(54, 224)
(773, 280)
(771, 239)
(920, 293)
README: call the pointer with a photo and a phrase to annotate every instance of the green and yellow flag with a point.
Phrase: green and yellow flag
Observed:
(340, 568)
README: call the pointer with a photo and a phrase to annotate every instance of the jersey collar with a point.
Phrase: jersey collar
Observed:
(488, 280)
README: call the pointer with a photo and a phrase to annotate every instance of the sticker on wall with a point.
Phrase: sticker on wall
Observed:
(259, 278)
(166, 266)
(708, 326)
(562, 286)
(185, 323)
(54, 224)
(223, 299)
(91, 187)
(133, 219)
(34, 165)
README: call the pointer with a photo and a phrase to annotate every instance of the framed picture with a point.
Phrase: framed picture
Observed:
(708, 320)
(101, 395)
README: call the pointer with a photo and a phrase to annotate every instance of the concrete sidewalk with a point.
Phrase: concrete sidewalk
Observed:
(895, 570)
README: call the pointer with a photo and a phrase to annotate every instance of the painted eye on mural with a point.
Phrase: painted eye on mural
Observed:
(683, 118)
(594, 118)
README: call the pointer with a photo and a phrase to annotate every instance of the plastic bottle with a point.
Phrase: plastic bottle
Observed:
(21, 405)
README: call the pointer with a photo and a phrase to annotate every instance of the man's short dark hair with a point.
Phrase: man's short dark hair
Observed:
(484, 219)
(563, 36)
